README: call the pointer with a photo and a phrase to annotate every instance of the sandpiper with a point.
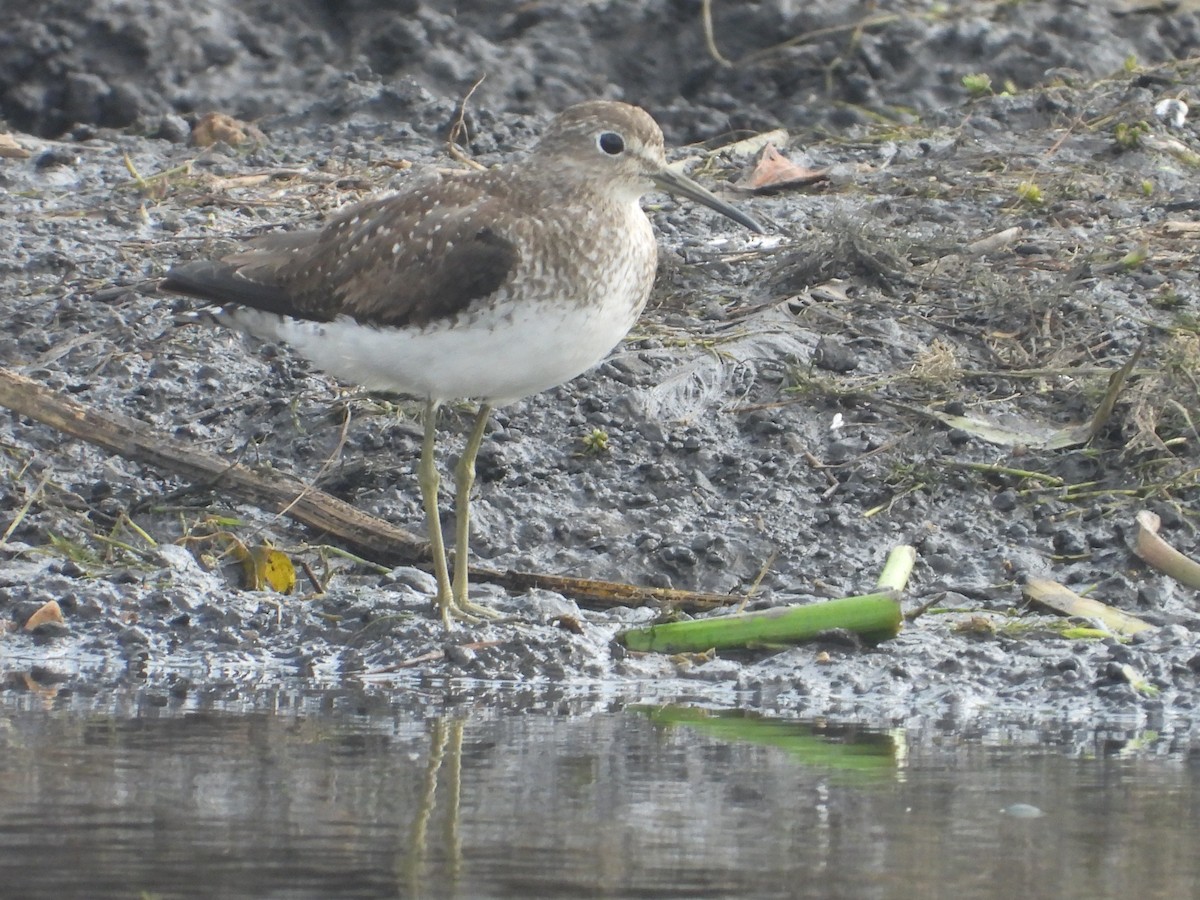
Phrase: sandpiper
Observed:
(490, 286)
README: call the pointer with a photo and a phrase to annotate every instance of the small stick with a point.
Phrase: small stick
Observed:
(377, 540)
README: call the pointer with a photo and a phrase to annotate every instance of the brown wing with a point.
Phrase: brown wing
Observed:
(402, 260)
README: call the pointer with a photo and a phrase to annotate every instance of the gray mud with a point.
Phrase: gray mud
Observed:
(760, 421)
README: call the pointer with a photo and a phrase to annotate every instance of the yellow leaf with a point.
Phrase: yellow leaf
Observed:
(273, 570)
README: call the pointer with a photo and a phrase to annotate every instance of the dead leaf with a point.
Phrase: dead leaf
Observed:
(50, 613)
(1028, 433)
(568, 623)
(215, 127)
(10, 149)
(775, 172)
(269, 569)
(45, 691)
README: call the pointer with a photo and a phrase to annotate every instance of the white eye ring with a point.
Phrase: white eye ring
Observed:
(611, 143)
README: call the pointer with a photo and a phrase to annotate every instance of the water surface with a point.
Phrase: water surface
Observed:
(311, 792)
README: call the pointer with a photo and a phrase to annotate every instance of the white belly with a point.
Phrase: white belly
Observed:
(498, 361)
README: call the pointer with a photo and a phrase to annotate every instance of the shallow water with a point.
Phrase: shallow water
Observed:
(408, 791)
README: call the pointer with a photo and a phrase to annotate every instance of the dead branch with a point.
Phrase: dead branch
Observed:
(334, 519)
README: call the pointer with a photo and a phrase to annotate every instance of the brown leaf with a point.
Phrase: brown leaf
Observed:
(215, 127)
(775, 172)
(10, 149)
(568, 623)
(50, 613)
(45, 691)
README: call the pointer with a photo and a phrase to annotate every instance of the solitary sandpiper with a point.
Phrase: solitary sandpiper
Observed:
(491, 286)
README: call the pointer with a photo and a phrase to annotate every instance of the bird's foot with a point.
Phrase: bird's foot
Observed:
(461, 609)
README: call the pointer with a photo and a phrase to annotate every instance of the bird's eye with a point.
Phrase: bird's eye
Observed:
(611, 143)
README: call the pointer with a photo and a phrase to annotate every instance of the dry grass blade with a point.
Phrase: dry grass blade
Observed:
(710, 40)
(1062, 600)
(1160, 555)
(23, 511)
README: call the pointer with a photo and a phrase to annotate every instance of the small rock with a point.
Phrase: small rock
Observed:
(833, 356)
(459, 655)
(1005, 501)
(410, 577)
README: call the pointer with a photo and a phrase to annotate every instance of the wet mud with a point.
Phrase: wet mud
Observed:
(789, 409)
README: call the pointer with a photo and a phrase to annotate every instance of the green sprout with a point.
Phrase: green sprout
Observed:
(596, 441)
(1135, 258)
(1129, 137)
(1030, 194)
(977, 84)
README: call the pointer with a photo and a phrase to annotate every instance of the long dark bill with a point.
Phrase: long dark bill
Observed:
(681, 186)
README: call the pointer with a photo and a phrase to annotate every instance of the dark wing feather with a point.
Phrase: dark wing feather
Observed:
(225, 282)
(220, 282)
(399, 261)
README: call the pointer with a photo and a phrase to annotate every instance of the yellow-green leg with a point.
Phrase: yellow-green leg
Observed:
(464, 480)
(427, 477)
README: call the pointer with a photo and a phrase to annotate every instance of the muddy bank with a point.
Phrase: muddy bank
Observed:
(772, 421)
